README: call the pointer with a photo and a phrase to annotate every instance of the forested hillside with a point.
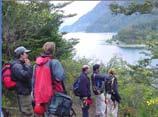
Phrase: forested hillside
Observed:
(103, 20)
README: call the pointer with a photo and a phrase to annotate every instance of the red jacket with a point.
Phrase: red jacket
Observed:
(44, 85)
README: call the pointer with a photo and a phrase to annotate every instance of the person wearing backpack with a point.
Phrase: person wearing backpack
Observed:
(48, 77)
(85, 93)
(112, 95)
(21, 70)
(98, 89)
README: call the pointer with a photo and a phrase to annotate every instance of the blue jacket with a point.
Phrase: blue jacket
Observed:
(98, 83)
(84, 85)
(98, 79)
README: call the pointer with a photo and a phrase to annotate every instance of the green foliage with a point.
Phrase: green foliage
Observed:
(138, 33)
(143, 8)
(144, 33)
(138, 86)
(31, 25)
(135, 85)
(153, 47)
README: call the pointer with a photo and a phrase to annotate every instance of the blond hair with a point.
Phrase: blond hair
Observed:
(49, 47)
(112, 71)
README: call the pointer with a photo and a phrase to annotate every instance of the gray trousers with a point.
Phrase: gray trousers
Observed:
(25, 106)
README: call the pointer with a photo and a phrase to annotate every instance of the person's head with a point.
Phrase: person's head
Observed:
(21, 53)
(86, 69)
(49, 48)
(112, 71)
(96, 68)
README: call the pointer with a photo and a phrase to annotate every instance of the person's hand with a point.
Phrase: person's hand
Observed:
(87, 101)
(27, 61)
(106, 101)
(114, 105)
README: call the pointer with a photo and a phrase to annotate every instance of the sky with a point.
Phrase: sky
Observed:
(79, 7)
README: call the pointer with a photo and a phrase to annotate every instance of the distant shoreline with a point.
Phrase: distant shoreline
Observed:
(131, 46)
(123, 45)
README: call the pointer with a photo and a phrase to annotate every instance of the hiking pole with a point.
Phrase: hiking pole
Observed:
(73, 113)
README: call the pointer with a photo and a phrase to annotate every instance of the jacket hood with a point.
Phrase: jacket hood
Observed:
(42, 60)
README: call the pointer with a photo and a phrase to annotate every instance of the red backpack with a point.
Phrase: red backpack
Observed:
(44, 85)
(6, 77)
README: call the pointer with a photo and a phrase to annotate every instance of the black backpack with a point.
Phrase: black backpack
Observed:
(76, 87)
(61, 106)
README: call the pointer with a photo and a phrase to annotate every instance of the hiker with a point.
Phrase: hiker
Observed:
(98, 89)
(48, 76)
(112, 95)
(85, 93)
(22, 74)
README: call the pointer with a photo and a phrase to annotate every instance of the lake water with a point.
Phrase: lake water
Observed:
(92, 46)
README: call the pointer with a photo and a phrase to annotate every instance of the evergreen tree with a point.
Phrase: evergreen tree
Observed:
(31, 24)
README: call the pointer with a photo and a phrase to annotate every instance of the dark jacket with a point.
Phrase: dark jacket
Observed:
(112, 89)
(22, 74)
(98, 83)
(84, 85)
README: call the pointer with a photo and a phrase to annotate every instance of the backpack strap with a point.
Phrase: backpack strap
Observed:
(93, 79)
(94, 84)
(33, 78)
(95, 89)
(50, 65)
(64, 87)
(5, 68)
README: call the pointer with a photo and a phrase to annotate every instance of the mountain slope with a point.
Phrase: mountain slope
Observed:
(101, 19)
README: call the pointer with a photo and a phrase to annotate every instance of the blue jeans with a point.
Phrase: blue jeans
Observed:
(85, 111)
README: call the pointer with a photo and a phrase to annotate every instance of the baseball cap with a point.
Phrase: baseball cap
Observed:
(21, 49)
